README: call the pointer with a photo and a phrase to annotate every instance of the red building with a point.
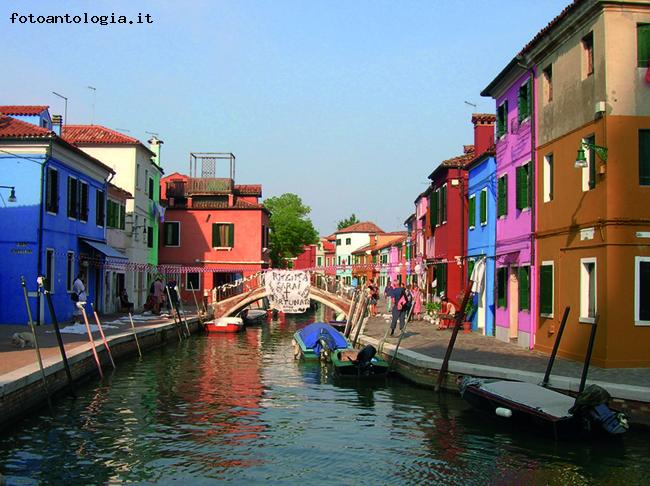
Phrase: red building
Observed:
(448, 212)
(307, 259)
(213, 224)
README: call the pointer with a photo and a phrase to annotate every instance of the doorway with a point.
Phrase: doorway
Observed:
(513, 303)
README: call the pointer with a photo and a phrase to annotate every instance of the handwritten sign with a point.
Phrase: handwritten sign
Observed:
(288, 290)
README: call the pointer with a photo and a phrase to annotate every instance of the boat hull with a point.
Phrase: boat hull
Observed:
(345, 365)
(224, 324)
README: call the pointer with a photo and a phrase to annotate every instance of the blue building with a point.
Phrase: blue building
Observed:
(481, 239)
(56, 225)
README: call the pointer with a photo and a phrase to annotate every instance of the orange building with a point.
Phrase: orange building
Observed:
(592, 187)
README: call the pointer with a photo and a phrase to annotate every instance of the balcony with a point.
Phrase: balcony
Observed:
(209, 186)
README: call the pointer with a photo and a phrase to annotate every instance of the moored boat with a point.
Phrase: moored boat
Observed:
(224, 324)
(253, 316)
(312, 340)
(359, 362)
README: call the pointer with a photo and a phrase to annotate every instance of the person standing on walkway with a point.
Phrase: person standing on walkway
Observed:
(417, 303)
(78, 295)
(387, 290)
(400, 306)
(158, 295)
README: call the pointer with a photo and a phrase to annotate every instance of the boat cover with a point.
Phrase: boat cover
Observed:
(533, 396)
(313, 333)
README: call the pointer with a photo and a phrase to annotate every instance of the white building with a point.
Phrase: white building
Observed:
(348, 240)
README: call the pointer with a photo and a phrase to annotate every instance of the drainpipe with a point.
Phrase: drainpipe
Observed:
(39, 257)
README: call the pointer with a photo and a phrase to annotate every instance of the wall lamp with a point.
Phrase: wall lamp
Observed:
(12, 194)
(581, 159)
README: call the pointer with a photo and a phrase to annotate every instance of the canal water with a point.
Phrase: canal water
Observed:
(238, 408)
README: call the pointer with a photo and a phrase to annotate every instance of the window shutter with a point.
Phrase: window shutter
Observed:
(472, 212)
(525, 190)
(518, 187)
(433, 207)
(524, 288)
(529, 99)
(501, 286)
(470, 268)
(501, 196)
(643, 44)
(231, 235)
(215, 235)
(644, 157)
(644, 291)
(443, 204)
(483, 207)
(546, 289)
(122, 217)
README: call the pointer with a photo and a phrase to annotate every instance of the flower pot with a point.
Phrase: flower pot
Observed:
(467, 327)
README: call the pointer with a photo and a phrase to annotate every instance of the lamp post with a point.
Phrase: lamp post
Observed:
(12, 193)
(581, 159)
(65, 112)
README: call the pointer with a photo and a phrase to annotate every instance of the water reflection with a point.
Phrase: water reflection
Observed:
(239, 408)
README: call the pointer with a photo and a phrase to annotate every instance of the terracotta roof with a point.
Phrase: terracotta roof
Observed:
(249, 189)
(118, 192)
(483, 118)
(238, 204)
(361, 250)
(96, 134)
(391, 242)
(460, 161)
(363, 227)
(567, 10)
(22, 109)
(328, 245)
(468, 149)
(12, 128)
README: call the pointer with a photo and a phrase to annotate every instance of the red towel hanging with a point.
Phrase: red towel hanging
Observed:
(647, 73)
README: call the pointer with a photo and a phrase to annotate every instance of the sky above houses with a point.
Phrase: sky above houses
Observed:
(349, 104)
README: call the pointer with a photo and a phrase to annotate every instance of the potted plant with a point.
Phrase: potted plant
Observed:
(470, 309)
(433, 308)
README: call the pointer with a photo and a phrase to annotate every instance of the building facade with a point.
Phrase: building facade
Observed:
(348, 240)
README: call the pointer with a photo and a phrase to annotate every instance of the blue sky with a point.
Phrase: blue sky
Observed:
(349, 104)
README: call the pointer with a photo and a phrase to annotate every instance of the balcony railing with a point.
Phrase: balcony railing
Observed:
(209, 186)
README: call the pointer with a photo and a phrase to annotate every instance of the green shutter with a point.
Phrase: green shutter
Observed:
(470, 268)
(525, 190)
(518, 188)
(524, 288)
(644, 157)
(472, 212)
(433, 208)
(643, 44)
(546, 289)
(231, 235)
(443, 204)
(215, 235)
(483, 207)
(501, 286)
(122, 217)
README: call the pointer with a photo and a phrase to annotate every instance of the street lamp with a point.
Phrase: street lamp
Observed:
(12, 194)
(65, 112)
(581, 159)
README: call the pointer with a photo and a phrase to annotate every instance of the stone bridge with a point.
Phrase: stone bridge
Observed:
(232, 305)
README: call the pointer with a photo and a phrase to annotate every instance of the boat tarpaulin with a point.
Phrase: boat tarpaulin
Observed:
(313, 333)
(533, 396)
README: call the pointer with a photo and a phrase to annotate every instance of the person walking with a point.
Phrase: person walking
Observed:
(417, 303)
(78, 295)
(387, 290)
(158, 295)
(399, 308)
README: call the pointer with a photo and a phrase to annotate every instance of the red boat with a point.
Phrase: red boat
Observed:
(225, 324)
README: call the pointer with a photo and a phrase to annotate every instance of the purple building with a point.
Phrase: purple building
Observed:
(515, 271)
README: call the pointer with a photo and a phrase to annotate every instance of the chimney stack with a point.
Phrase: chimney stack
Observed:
(483, 132)
(57, 122)
(154, 146)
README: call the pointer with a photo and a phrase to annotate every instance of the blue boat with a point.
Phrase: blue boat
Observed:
(312, 340)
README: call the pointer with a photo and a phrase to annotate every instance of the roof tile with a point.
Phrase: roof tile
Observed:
(363, 227)
(17, 110)
(12, 128)
(96, 134)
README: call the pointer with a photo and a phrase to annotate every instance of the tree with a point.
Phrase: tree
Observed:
(344, 223)
(290, 228)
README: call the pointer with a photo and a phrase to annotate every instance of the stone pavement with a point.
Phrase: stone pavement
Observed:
(13, 358)
(423, 338)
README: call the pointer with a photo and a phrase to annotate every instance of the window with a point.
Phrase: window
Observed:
(589, 172)
(547, 83)
(192, 281)
(339, 260)
(588, 55)
(441, 279)
(643, 44)
(502, 284)
(523, 194)
(338, 242)
(472, 212)
(443, 204)
(348, 259)
(546, 289)
(83, 201)
(137, 176)
(644, 157)
(642, 291)
(122, 217)
(223, 235)
(524, 101)
(548, 177)
(524, 288)
(73, 198)
(149, 237)
(49, 270)
(587, 290)
(433, 208)
(502, 119)
(99, 208)
(151, 188)
(502, 194)
(319, 261)
(113, 214)
(484, 207)
(52, 191)
(348, 241)
(172, 233)
(69, 267)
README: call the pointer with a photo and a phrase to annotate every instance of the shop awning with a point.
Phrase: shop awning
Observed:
(107, 250)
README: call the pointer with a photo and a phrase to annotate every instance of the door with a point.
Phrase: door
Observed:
(513, 303)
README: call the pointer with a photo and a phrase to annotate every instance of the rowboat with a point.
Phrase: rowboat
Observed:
(253, 316)
(310, 341)
(224, 324)
(360, 363)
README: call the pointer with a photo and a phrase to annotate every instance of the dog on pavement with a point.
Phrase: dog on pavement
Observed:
(22, 339)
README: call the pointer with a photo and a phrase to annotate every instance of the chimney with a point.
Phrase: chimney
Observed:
(154, 146)
(57, 121)
(483, 132)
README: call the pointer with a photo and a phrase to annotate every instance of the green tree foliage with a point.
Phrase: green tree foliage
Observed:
(290, 227)
(344, 223)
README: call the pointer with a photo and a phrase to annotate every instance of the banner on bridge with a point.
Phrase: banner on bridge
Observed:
(288, 290)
